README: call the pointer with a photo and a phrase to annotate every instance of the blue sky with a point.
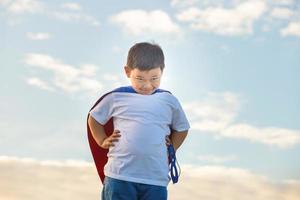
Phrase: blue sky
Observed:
(234, 65)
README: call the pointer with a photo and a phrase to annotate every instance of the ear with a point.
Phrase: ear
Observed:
(127, 71)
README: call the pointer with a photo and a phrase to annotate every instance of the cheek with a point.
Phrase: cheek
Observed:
(135, 85)
(156, 85)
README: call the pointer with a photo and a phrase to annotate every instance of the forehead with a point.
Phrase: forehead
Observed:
(147, 73)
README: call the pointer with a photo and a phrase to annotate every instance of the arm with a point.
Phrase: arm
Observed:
(100, 136)
(177, 138)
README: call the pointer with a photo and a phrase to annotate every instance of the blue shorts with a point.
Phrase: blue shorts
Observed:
(114, 189)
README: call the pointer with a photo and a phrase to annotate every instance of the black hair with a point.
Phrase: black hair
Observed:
(145, 56)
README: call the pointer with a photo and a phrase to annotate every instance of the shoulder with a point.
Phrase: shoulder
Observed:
(167, 95)
(162, 91)
(108, 96)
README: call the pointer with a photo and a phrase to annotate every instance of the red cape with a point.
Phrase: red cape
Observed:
(99, 154)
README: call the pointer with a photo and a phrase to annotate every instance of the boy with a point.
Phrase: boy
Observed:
(144, 118)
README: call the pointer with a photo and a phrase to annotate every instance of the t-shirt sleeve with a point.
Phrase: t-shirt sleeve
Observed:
(179, 120)
(103, 111)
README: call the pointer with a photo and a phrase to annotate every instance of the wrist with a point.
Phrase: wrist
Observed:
(102, 141)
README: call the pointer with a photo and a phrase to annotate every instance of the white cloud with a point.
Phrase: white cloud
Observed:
(218, 182)
(72, 13)
(66, 77)
(111, 77)
(88, 70)
(67, 14)
(293, 28)
(71, 6)
(79, 180)
(217, 115)
(139, 22)
(183, 3)
(4, 2)
(225, 21)
(274, 136)
(180, 4)
(35, 81)
(38, 36)
(214, 112)
(25, 6)
(29, 179)
(282, 13)
(283, 2)
(114, 80)
(48, 163)
(75, 17)
(216, 159)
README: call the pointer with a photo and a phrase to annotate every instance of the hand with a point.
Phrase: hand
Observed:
(109, 141)
(168, 140)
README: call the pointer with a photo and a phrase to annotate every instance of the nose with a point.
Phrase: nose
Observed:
(147, 85)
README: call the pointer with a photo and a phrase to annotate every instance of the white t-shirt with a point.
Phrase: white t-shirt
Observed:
(144, 121)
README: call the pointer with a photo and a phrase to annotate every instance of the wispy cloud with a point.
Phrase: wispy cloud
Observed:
(114, 80)
(217, 115)
(38, 36)
(67, 12)
(24, 6)
(281, 13)
(4, 2)
(75, 17)
(293, 28)
(283, 2)
(37, 82)
(234, 21)
(283, 16)
(236, 17)
(274, 136)
(79, 180)
(72, 12)
(218, 182)
(183, 3)
(29, 179)
(49, 163)
(214, 112)
(65, 77)
(72, 6)
(216, 159)
(138, 22)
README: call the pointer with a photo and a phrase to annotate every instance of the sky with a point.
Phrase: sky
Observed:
(234, 66)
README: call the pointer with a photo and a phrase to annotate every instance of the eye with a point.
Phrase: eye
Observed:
(139, 78)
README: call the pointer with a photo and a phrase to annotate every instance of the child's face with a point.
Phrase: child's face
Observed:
(144, 82)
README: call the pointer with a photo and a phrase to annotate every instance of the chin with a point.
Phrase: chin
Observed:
(146, 92)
